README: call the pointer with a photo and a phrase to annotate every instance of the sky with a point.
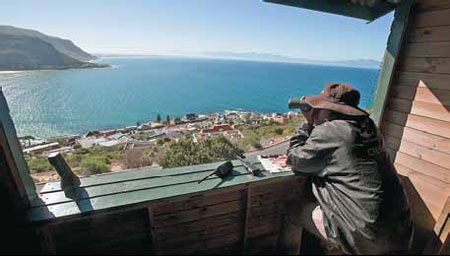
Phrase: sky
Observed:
(188, 26)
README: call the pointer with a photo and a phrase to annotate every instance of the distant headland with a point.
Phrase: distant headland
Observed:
(24, 49)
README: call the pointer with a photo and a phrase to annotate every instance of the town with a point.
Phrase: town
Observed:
(147, 144)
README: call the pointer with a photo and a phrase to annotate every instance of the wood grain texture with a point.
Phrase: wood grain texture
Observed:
(432, 18)
(430, 34)
(424, 167)
(427, 50)
(423, 94)
(431, 81)
(424, 65)
(432, 191)
(425, 153)
(431, 5)
(420, 108)
(395, 121)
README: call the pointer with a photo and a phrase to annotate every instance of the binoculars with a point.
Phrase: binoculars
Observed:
(299, 104)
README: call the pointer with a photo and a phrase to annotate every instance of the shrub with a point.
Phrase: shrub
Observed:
(94, 165)
(186, 152)
(136, 158)
(256, 144)
(278, 131)
(39, 164)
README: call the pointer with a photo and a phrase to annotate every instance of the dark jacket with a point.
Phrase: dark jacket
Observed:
(364, 205)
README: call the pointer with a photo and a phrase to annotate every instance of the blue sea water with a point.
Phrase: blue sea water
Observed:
(53, 103)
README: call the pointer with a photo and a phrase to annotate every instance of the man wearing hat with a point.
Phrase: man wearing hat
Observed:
(361, 206)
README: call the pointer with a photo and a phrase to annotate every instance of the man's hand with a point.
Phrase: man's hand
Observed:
(301, 134)
(307, 116)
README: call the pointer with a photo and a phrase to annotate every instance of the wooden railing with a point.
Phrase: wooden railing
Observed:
(169, 212)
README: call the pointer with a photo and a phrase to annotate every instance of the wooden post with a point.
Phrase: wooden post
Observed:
(390, 58)
(153, 231)
(16, 162)
(247, 193)
(68, 178)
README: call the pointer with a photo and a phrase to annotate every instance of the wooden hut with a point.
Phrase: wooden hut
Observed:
(168, 212)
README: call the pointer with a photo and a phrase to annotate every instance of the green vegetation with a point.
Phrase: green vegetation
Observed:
(186, 152)
(254, 134)
(158, 118)
(94, 165)
(39, 164)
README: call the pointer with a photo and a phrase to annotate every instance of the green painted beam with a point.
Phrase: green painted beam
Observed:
(16, 150)
(340, 7)
(131, 186)
(106, 192)
(134, 174)
(390, 58)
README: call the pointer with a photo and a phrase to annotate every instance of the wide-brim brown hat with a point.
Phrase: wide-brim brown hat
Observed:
(338, 97)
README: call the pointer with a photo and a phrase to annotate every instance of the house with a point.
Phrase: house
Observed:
(217, 128)
(40, 149)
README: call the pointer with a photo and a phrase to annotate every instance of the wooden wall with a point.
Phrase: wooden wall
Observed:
(248, 218)
(416, 121)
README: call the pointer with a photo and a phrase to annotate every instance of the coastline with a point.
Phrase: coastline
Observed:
(148, 122)
(94, 66)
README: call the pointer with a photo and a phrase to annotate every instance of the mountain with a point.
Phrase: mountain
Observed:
(254, 56)
(23, 49)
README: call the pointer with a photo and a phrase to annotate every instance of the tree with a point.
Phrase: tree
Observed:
(185, 152)
(168, 119)
(158, 118)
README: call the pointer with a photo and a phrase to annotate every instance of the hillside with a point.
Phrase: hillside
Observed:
(22, 49)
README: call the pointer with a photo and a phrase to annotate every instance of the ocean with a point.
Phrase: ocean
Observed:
(67, 102)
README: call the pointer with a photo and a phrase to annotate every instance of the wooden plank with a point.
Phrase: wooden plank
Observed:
(391, 54)
(394, 134)
(131, 186)
(432, 18)
(341, 7)
(392, 142)
(403, 92)
(46, 240)
(431, 81)
(277, 186)
(200, 236)
(427, 50)
(133, 199)
(92, 234)
(432, 191)
(394, 117)
(197, 201)
(137, 174)
(425, 154)
(430, 34)
(424, 167)
(195, 214)
(420, 108)
(264, 245)
(248, 196)
(427, 125)
(440, 97)
(432, 5)
(443, 219)
(152, 227)
(425, 65)
(24, 183)
(428, 140)
(202, 247)
(183, 229)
